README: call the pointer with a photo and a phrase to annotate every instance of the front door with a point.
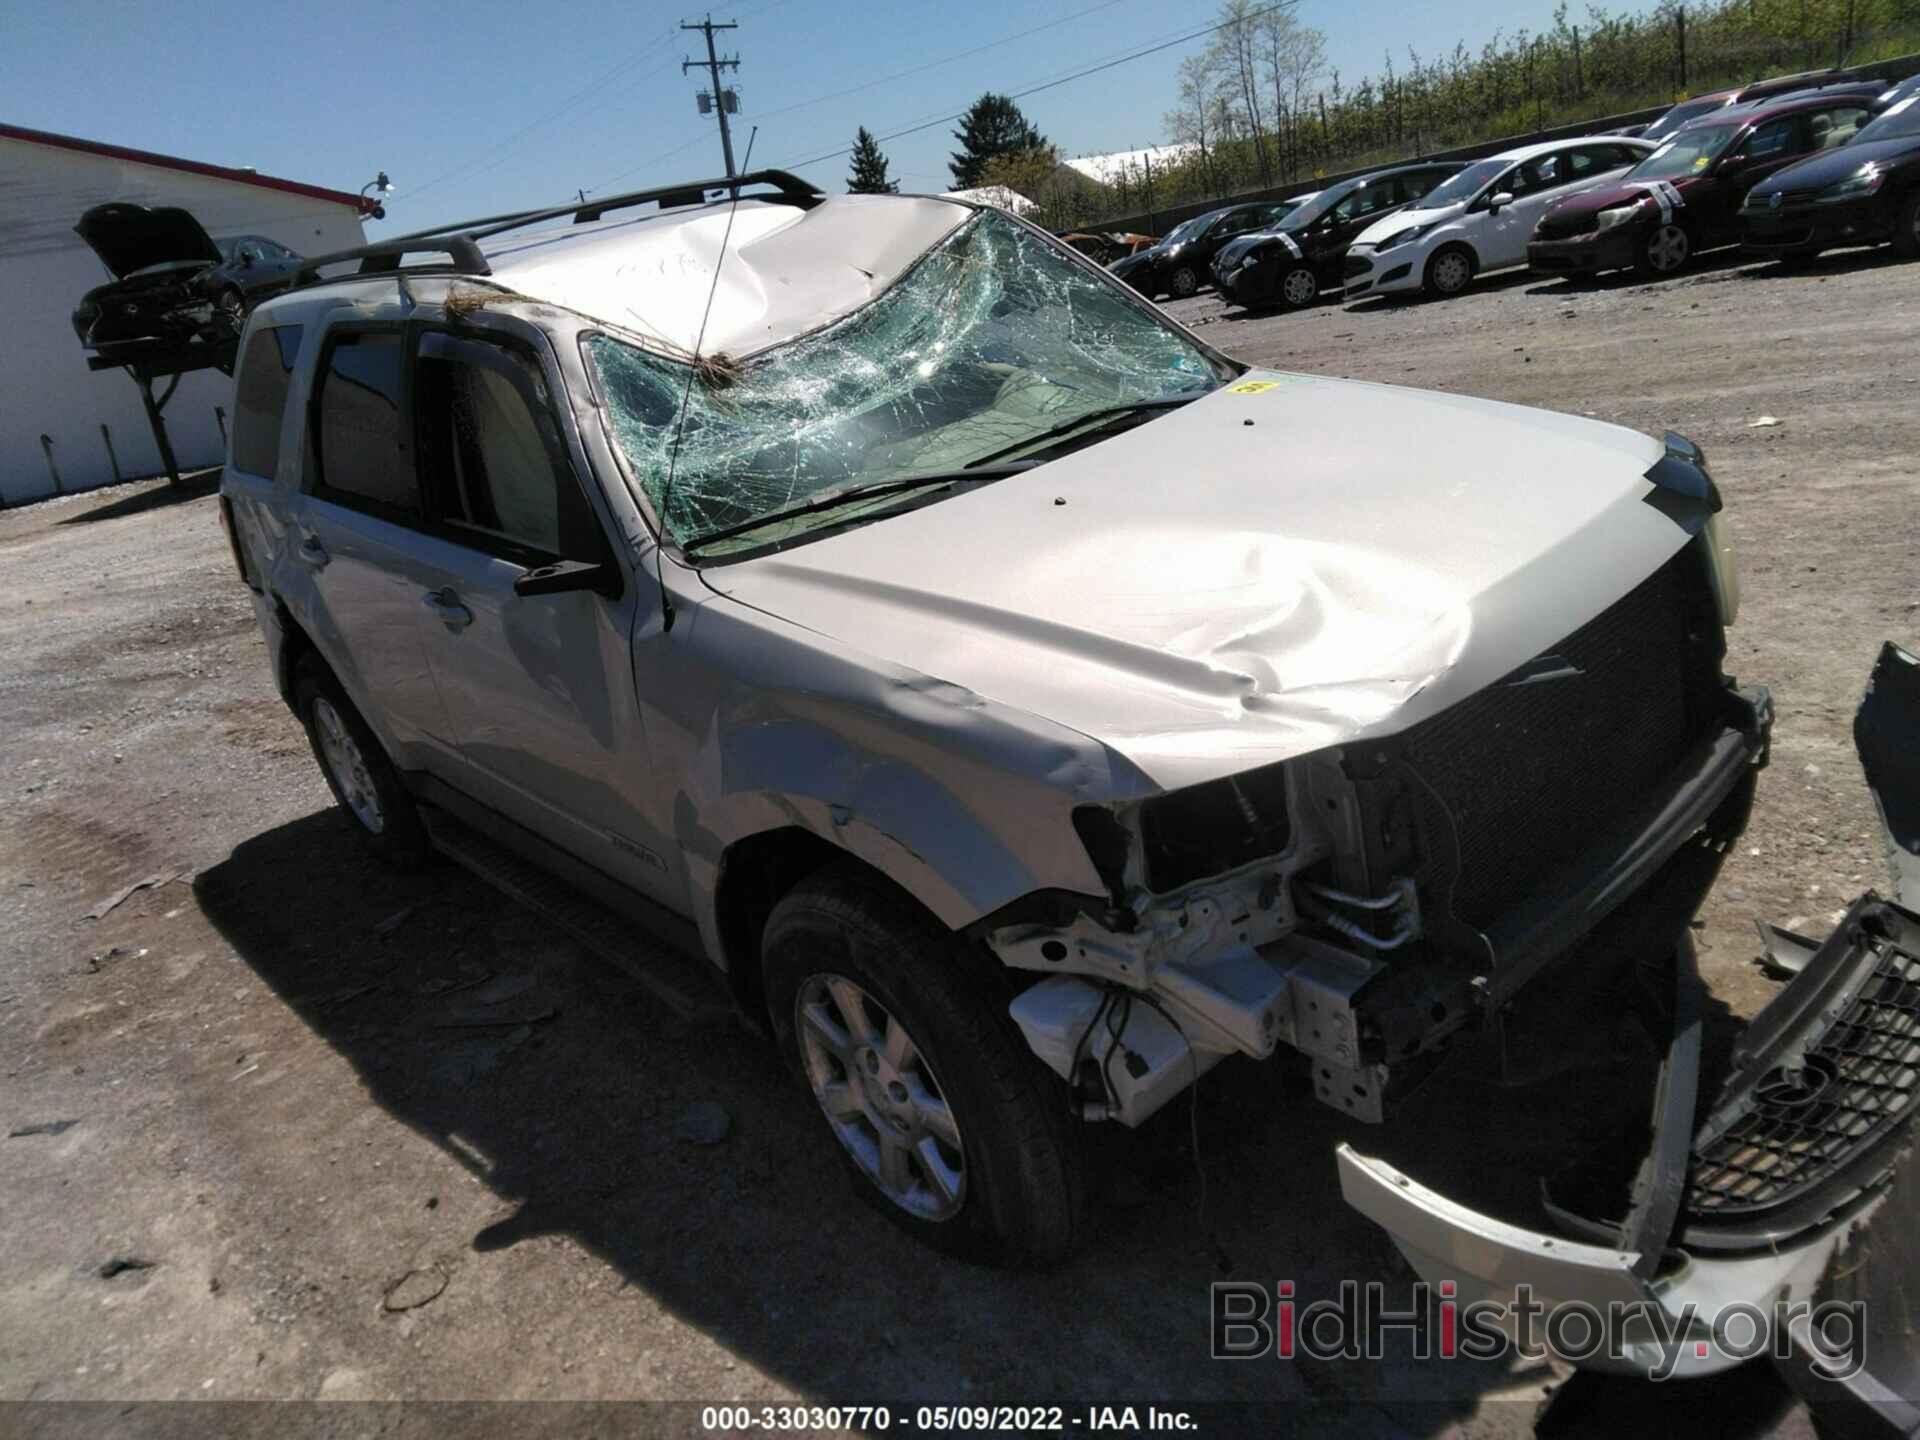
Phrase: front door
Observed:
(538, 687)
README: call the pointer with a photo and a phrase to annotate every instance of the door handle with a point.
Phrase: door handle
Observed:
(313, 552)
(445, 604)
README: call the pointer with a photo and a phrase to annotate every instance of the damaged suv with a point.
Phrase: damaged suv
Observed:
(1021, 705)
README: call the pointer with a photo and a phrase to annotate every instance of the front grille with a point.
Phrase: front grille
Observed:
(1799, 1124)
(1524, 776)
(1563, 227)
(1357, 265)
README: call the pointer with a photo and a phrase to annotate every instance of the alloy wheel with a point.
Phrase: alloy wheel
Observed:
(1668, 248)
(347, 766)
(880, 1097)
(1183, 282)
(1300, 287)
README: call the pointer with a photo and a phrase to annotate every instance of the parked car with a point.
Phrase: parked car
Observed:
(1863, 193)
(1894, 94)
(172, 282)
(1480, 219)
(1180, 264)
(1019, 726)
(1779, 87)
(1292, 262)
(1685, 197)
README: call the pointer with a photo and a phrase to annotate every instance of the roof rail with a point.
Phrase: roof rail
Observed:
(459, 241)
(384, 257)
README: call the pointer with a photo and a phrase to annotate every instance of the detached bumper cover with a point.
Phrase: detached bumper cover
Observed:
(1802, 1144)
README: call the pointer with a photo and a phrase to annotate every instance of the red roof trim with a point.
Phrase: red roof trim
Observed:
(358, 204)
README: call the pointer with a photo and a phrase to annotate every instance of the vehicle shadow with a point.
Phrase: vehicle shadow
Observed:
(159, 495)
(562, 1086)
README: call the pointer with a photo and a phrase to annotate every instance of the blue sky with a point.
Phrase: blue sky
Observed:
(489, 105)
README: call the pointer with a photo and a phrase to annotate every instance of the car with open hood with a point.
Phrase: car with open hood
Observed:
(1864, 193)
(1181, 262)
(1018, 707)
(172, 282)
(1292, 262)
(1479, 220)
(1686, 196)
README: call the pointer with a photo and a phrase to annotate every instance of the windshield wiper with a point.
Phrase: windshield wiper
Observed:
(866, 490)
(1089, 417)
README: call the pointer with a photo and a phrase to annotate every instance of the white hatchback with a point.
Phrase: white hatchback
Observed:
(1480, 220)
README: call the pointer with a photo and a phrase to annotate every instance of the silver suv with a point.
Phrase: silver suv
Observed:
(1022, 706)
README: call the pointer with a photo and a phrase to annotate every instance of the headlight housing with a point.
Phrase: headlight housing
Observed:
(1400, 237)
(1865, 181)
(1619, 215)
(1720, 564)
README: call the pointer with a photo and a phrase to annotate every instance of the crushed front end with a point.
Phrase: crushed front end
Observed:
(1362, 904)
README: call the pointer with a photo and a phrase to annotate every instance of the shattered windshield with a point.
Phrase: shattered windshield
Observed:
(992, 340)
(1688, 153)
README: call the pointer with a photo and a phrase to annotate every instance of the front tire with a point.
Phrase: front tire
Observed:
(1299, 287)
(951, 1127)
(1906, 229)
(1664, 252)
(230, 313)
(1449, 271)
(1183, 282)
(364, 783)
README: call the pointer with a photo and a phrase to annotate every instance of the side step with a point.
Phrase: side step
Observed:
(685, 984)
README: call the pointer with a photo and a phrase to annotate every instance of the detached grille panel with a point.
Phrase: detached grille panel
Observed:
(1796, 1125)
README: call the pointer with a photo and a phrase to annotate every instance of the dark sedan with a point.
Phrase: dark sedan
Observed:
(1865, 192)
(1291, 263)
(1685, 197)
(172, 282)
(1179, 265)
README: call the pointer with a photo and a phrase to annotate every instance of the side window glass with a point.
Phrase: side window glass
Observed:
(491, 457)
(1839, 126)
(360, 456)
(1772, 139)
(260, 398)
(1412, 187)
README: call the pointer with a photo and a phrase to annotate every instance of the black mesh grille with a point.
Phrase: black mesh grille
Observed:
(1807, 1121)
(1531, 771)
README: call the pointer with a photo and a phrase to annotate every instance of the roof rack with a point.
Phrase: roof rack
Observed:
(459, 242)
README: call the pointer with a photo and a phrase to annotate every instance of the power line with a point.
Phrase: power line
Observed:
(1054, 83)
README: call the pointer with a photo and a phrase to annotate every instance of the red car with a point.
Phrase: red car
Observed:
(1685, 197)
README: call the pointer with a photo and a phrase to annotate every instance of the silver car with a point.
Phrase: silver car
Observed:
(1019, 705)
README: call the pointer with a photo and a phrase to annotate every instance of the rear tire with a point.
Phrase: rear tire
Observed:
(1299, 287)
(364, 783)
(950, 1126)
(1906, 229)
(1449, 271)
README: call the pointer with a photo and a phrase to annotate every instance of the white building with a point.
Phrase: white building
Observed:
(46, 183)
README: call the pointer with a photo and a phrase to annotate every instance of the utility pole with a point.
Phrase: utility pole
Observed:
(721, 100)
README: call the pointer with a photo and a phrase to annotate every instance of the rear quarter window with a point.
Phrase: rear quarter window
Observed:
(260, 398)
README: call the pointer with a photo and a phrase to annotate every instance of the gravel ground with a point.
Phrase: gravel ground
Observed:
(341, 1133)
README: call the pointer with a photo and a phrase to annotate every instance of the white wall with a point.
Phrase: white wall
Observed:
(45, 386)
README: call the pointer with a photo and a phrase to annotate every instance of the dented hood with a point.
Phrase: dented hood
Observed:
(1286, 564)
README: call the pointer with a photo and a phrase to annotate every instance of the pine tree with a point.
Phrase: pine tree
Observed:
(993, 126)
(869, 173)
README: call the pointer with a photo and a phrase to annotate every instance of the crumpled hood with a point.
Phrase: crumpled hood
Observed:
(1834, 166)
(1289, 563)
(1406, 219)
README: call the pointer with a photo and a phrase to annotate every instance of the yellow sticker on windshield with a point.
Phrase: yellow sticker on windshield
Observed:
(1252, 387)
(1700, 162)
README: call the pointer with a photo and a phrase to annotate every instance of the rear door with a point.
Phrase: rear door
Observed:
(539, 688)
(353, 572)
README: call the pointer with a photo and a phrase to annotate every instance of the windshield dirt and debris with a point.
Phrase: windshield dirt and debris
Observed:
(991, 340)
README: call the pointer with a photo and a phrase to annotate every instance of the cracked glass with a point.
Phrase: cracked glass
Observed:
(991, 340)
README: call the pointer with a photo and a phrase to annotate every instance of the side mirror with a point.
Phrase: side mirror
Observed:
(563, 577)
(1495, 202)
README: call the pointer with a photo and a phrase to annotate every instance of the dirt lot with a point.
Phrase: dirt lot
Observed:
(341, 1133)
